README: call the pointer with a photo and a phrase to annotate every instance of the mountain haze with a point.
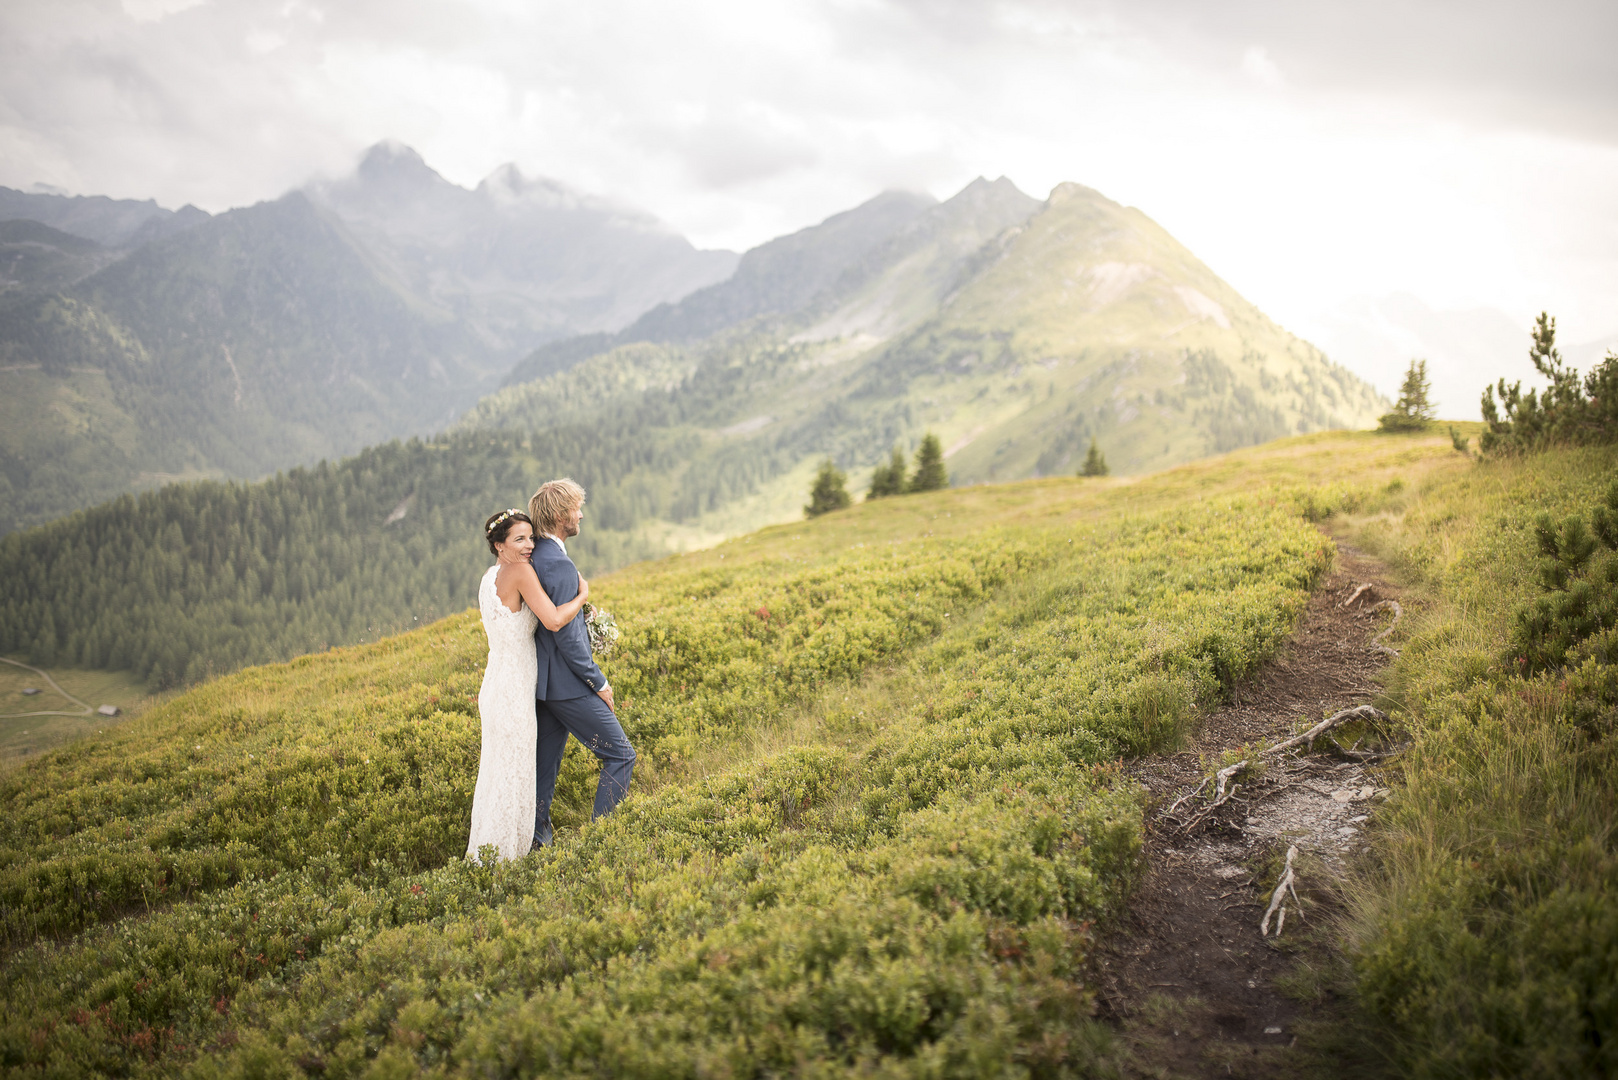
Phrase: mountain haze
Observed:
(519, 259)
(109, 222)
(139, 345)
(1016, 330)
(776, 278)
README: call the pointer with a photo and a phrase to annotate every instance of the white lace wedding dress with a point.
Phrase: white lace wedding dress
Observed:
(503, 804)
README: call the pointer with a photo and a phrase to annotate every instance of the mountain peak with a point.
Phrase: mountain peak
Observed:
(392, 165)
(1068, 190)
(507, 184)
(391, 155)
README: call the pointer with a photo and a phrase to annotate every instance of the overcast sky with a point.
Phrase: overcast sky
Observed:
(1311, 153)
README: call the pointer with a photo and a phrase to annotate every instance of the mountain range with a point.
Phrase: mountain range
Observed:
(140, 345)
(1017, 330)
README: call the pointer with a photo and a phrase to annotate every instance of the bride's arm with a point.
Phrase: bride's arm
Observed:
(540, 604)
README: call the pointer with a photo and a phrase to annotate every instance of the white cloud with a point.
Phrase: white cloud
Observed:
(155, 10)
(1257, 65)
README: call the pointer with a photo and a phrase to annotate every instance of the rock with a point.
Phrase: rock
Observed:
(108, 710)
(30, 691)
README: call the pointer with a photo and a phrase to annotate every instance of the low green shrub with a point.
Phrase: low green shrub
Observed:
(913, 893)
(1487, 938)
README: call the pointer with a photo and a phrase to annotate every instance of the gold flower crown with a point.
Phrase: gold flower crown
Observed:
(499, 519)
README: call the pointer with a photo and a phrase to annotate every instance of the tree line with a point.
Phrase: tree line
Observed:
(197, 579)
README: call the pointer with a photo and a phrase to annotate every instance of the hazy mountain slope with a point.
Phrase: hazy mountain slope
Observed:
(109, 222)
(904, 279)
(1016, 335)
(258, 339)
(779, 277)
(37, 258)
(520, 260)
(1092, 321)
(369, 308)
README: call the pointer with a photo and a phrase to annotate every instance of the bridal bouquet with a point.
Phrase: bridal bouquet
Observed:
(603, 629)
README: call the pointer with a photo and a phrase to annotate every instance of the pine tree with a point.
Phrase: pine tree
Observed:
(930, 474)
(830, 491)
(1095, 462)
(1569, 410)
(1413, 410)
(888, 479)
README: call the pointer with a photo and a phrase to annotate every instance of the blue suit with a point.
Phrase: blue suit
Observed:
(566, 698)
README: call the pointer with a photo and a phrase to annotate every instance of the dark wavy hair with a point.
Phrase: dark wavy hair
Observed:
(498, 527)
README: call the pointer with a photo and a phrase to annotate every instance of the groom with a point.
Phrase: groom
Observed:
(571, 696)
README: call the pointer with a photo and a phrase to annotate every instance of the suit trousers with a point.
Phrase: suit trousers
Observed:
(590, 721)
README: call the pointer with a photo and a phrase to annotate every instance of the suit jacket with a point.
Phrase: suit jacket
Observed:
(566, 669)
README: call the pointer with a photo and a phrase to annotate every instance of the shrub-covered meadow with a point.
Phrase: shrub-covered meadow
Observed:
(1486, 936)
(874, 827)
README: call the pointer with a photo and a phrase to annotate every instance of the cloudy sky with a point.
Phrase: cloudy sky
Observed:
(1322, 157)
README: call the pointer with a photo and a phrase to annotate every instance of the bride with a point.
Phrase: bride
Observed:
(511, 601)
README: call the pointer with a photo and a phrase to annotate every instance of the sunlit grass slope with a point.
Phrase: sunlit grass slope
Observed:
(873, 825)
(1488, 935)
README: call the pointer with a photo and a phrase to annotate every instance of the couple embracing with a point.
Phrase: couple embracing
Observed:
(541, 683)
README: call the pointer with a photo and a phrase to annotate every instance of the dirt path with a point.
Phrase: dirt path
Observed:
(1192, 986)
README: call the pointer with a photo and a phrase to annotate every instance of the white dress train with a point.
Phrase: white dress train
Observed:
(503, 804)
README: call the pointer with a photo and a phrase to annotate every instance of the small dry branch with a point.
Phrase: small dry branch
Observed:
(1222, 794)
(1181, 800)
(1356, 594)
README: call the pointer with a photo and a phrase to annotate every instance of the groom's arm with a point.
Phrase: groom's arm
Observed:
(573, 644)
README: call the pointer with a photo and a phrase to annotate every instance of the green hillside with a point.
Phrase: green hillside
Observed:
(1017, 332)
(874, 827)
(843, 813)
(1093, 322)
(36, 258)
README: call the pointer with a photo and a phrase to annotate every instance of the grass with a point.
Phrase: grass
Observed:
(880, 739)
(876, 827)
(1485, 936)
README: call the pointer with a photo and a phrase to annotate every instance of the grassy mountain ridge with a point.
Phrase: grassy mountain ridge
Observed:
(874, 827)
(1092, 322)
(871, 806)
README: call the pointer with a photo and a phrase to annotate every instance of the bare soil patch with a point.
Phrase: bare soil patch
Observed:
(1192, 985)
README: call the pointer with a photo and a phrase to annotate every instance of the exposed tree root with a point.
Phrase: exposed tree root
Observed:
(1398, 613)
(1278, 898)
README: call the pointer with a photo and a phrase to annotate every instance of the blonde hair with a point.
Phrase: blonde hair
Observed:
(553, 500)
